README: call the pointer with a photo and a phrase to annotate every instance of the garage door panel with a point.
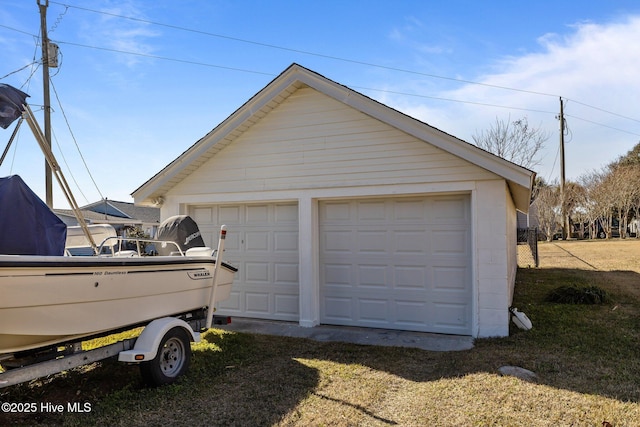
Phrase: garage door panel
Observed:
(450, 316)
(338, 309)
(409, 210)
(230, 215)
(373, 310)
(257, 215)
(371, 211)
(410, 277)
(286, 214)
(232, 305)
(372, 275)
(371, 241)
(335, 212)
(256, 272)
(286, 274)
(286, 304)
(338, 274)
(262, 241)
(203, 215)
(451, 279)
(286, 242)
(337, 241)
(411, 314)
(232, 241)
(257, 241)
(414, 241)
(273, 303)
(256, 303)
(397, 263)
(449, 209)
(450, 242)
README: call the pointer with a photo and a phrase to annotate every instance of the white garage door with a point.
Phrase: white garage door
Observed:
(262, 241)
(400, 263)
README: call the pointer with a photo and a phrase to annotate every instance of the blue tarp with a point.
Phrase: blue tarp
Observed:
(27, 225)
(11, 102)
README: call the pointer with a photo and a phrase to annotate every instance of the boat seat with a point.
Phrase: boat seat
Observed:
(199, 251)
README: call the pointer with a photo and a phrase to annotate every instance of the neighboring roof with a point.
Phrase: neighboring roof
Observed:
(106, 206)
(124, 210)
(519, 179)
(95, 217)
(111, 211)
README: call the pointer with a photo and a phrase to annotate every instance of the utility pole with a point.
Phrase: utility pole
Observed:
(47, 102)
(565, 223)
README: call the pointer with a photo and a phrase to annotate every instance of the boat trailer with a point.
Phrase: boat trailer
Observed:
(163, 351)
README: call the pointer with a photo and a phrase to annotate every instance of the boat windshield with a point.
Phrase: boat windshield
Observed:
(133, 246)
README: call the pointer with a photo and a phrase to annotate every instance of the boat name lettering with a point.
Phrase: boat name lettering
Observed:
(202, 274)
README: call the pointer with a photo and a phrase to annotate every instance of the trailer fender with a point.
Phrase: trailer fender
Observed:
(146, 346)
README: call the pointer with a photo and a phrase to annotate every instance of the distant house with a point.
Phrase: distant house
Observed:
(118, 214)
(341, 210)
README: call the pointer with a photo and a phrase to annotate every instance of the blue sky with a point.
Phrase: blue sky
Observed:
(139, 81)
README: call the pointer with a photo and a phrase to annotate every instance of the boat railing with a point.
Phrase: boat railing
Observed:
(134, 246)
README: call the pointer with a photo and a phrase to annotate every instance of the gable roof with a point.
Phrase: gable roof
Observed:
(519, 179)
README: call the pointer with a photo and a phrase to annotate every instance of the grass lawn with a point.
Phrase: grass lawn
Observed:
(587, 358)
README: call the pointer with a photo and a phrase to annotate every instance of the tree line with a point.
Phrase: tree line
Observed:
(599, 204)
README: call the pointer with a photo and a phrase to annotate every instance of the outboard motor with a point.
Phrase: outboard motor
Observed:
(181, 229)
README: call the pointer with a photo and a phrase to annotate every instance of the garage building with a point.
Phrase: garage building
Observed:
(344, 211)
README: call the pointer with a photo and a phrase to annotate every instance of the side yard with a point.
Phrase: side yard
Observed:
(586, 358)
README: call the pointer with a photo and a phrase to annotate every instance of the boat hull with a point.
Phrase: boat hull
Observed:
(49, 300)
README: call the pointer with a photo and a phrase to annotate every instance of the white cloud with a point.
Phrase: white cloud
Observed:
(593, 64)
(112, 32)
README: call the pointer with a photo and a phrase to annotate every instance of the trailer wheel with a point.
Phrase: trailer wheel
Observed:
(172, 360)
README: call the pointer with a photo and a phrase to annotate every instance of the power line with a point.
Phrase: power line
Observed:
(353, 61)
(17, 30)
(165, 58)
(244, 70)
(453, 100)
(604, 111)
(301, 51)
(603, 125)
(77, 146)
(17, 71)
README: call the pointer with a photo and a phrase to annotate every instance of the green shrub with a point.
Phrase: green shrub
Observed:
(578, 295)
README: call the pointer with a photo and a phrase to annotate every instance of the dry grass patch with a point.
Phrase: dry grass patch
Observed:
(586, 359)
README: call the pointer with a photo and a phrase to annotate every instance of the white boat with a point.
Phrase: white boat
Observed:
(47, 298)
(54, 299)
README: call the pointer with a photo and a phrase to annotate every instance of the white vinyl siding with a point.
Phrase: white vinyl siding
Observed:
(262, 241)
(312, 141)
(398, 263)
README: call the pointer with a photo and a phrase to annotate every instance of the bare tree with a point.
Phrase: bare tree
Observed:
(515, 141)
(625, 179)
(547, 204)
(600, 190)
(575, 202)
